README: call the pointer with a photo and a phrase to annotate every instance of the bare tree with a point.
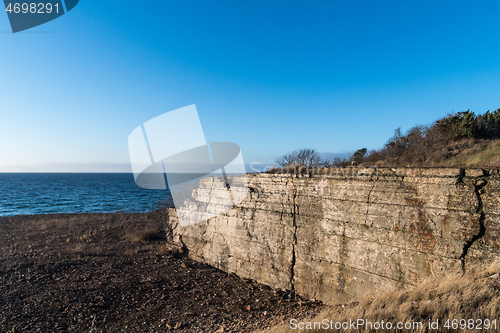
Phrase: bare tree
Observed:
(286, 160)
(306, 157)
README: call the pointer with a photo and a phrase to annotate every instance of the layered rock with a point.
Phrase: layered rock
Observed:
(335, 236)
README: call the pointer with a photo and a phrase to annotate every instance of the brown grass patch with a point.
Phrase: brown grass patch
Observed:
(469, 296)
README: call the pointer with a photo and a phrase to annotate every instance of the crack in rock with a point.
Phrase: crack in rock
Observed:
(368, 204)
(343, 255)
(294, 240)
(460, 177)
(480, 183)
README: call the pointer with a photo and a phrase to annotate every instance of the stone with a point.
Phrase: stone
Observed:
(340, 234)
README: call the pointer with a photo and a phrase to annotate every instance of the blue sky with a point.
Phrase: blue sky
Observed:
(271, 76)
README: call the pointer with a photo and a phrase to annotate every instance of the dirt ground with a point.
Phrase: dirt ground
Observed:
(112, 273)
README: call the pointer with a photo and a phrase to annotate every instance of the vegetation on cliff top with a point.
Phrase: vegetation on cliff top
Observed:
(463, 139)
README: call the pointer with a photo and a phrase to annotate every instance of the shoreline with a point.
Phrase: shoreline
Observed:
(81, 213)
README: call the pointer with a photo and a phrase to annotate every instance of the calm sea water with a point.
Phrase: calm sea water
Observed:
(49, 193)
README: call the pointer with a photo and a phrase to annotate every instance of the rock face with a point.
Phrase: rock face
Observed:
(335, 236)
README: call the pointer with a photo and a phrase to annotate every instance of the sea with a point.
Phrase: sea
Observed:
(51, 193)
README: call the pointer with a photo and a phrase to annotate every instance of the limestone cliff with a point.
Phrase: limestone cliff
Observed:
(333, 237)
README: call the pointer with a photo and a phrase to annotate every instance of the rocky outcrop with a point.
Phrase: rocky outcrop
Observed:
(335, 236)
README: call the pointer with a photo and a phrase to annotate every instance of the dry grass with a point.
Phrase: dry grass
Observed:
(470, 296)
(483, 154)
(465, 153)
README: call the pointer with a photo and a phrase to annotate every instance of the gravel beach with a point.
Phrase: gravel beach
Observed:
(116, 273)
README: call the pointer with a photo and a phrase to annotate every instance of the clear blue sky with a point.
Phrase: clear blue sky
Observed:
(271, 76)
